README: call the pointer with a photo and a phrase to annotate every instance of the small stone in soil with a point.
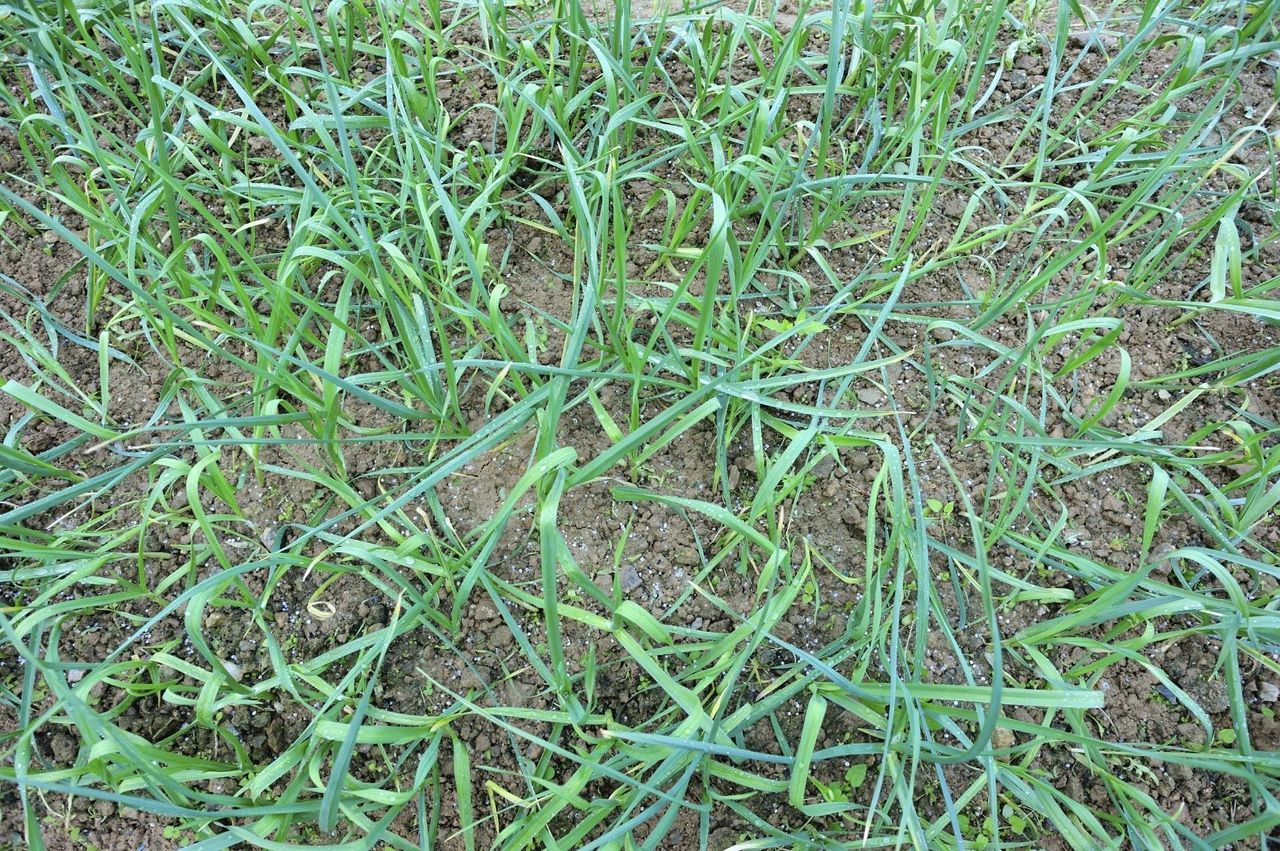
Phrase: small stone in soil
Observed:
(630, 577)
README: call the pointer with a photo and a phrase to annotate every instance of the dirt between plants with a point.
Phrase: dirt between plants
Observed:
(654, 553)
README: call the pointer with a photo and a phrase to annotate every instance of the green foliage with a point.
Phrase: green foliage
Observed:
(295, 212)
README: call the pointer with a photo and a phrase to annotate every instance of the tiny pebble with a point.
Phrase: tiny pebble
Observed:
(870, 396)
(630, 577)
